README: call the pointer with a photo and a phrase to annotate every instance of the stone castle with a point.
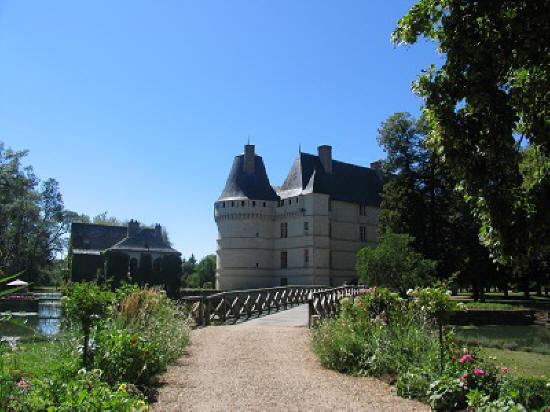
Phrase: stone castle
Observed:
(305, 232)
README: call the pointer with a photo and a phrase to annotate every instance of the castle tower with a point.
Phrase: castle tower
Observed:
(244, 216)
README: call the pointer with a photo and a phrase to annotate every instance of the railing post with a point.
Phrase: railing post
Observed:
(311, 310)
(207, 311)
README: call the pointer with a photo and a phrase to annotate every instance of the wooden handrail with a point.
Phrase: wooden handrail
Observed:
(242, 304)
(326, 303)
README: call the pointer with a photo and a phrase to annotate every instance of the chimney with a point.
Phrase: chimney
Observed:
(158, 232)
(133, 227)
(325, 156)
(376, 165)
(249, 159)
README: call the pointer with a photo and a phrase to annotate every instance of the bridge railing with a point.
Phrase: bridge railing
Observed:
(326, 303)
(232, 306)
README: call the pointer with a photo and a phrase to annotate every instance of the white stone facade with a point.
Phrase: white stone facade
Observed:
(306, 239)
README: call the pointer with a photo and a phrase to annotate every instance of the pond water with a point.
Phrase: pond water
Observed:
(46, 321)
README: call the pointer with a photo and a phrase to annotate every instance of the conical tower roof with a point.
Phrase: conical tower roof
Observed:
(248, 179)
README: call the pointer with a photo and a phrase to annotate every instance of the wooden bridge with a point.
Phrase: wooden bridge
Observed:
(238, 305)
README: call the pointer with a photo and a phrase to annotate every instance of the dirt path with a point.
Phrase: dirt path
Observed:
(256, 368)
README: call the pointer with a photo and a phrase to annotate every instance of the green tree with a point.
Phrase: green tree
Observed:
(33, 221)
(487, 99)
(420, 200)
(394, 264)
(187, 269)
(86, 304)
(207, 269)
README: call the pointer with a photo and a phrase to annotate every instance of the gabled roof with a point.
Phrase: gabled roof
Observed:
(89, 238)
(144, 240)
(347, 182)
(241, 185)
(92, 239)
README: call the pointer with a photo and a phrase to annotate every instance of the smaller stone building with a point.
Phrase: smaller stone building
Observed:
(90, 243)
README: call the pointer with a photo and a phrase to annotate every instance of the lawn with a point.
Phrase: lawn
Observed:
(34, 359)
(521, 363)
(531, 338)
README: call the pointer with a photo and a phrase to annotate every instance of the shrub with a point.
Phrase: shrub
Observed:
(143, 335)
(375, 335)
(532, 392)
(84, 392)
(125, 357)
(447, 393)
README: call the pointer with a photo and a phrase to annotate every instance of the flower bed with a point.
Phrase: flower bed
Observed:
(379, 334)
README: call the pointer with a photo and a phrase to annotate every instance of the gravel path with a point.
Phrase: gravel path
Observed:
(254, 367)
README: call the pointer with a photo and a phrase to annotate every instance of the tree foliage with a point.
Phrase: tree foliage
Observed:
(490, 97)
(394, 264)
(33, 221)
(420, 200)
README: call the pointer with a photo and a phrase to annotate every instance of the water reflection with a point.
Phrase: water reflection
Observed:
(46, 321)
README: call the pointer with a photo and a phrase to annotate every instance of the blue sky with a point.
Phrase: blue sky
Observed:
(138, 107)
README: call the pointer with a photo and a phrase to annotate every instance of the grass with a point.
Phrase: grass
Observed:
(519, 338)
(520, 363)
(35, 359)
(493, 306)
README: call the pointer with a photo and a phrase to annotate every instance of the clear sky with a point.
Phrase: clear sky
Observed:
(138, 107)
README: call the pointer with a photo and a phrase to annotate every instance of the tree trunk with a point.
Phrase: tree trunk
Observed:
(86, 344)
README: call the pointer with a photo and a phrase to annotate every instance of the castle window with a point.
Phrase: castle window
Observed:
(223, 204)
(363, 233)
(282, 202)
(289, 201)
(242, 203)
(264, 204)
(284, 229)
(253, 203)
(284, 260)
(362, 210)
(232, 204)
(306, 257)
(306, 226)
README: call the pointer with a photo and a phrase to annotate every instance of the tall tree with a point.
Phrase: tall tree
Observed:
(420, 200)
(33, 221)
(490, 97)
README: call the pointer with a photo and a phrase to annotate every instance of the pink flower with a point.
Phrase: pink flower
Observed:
(464, 377)
(478, 372)
(466, 358)
(504, 369)
(21, 383)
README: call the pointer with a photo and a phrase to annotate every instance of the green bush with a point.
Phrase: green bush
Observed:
(380, 334)
(125, 357)
(375, 335)
(531, 391)
(84, 392)
(145, 333)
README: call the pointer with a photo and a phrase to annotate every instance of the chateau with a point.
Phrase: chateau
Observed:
(305, 232)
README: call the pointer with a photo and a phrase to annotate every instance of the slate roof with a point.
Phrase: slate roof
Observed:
(92, 239)
(347, 182)
(254, 186)
(89, 238)
(144, 240)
